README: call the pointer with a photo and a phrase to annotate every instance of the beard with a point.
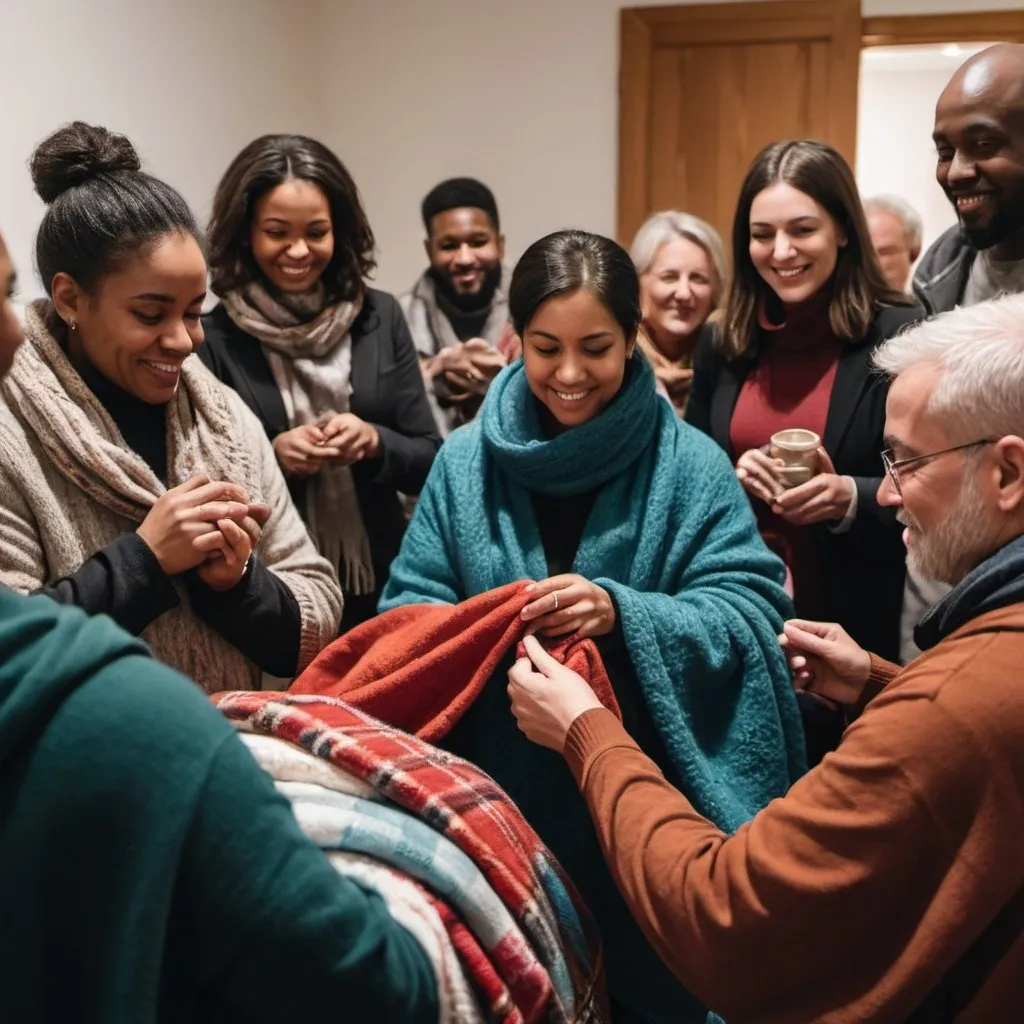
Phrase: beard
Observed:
(1006, 221)
(467, 302)
(954, 547)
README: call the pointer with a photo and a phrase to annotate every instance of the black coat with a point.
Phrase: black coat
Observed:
(862, 570)
(387, 391)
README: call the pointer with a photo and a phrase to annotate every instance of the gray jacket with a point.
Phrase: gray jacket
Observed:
(941, 276)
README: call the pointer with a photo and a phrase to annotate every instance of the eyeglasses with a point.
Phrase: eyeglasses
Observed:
(893, 468)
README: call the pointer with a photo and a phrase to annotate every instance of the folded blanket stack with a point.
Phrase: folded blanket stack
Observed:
(455, 861)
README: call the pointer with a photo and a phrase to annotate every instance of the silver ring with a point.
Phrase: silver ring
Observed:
(555, 596)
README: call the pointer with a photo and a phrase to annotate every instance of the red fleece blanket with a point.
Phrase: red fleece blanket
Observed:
(421, 666)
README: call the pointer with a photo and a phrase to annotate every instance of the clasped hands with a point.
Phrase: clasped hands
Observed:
(341, 439)
(466, 370)
(824, 498)
(209, 526)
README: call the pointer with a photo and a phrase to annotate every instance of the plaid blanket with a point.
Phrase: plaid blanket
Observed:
(543, 962)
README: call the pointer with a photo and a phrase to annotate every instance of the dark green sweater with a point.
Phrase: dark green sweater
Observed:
(148, 869)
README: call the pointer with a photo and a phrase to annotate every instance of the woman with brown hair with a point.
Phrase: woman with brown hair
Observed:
(326, 362)
(681, 264)
(807, 306)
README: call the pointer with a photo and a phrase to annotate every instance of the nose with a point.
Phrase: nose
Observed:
(888, 496)
(464, 255)
(10, 326)
(961, 169)
(178, 341)
(298, 250)
(683, 290)
(783, 246)
(569, 371)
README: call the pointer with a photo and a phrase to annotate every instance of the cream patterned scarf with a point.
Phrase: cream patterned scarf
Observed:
(309, 348)
(86, 447)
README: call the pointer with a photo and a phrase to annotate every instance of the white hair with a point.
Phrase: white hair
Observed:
(980, 353)
(913, 228)
(667, 226)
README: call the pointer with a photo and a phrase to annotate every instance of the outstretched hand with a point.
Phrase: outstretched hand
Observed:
(546, 696)
(825, 660)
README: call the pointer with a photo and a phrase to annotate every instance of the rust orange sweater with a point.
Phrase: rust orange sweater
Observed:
(880, 882)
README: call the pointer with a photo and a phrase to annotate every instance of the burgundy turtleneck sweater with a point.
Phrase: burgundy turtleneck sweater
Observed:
(790, 386)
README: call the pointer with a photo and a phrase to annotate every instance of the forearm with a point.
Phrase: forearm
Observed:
(123, 580)
(259, 616)
(748, 922)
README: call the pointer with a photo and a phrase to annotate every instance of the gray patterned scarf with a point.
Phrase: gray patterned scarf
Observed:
(309, 348)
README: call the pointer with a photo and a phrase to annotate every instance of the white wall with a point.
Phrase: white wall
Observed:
(895, 152)
(189, 82)
(523, 95)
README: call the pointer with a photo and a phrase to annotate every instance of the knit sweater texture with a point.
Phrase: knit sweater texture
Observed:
(50, 523)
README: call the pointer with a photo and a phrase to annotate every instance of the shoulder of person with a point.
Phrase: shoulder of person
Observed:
(380, 309)
(707, 351)
(219, 329)
(890, 320)
(942, 256)
(968, 687)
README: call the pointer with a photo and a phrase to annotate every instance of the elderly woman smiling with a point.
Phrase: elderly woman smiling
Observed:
(681, 265)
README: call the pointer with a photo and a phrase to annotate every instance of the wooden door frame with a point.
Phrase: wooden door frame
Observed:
(911, 29)
(640, 26)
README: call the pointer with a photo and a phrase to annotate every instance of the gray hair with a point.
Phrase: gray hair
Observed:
(980, 353)
(913, 228)
(667, 226)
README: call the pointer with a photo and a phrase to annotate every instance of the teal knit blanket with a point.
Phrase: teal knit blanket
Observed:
(671, 537)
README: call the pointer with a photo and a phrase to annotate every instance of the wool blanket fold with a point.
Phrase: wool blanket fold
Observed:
(419, 667)
(417, 911)
(671, 537)
(555, 975)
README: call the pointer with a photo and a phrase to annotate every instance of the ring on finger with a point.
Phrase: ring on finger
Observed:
(555, 596)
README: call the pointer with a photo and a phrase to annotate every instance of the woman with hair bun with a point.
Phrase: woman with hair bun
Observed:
(134, 483)
(634, 531)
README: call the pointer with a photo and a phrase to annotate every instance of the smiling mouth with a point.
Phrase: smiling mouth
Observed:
(295, 271)
(969, 203)
(164, 369)
(572, 396)
(791, 273)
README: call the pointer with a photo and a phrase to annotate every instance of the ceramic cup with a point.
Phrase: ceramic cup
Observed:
(798, 450)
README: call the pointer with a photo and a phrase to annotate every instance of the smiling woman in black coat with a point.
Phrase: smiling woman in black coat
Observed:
(806, 308)
(325, 362)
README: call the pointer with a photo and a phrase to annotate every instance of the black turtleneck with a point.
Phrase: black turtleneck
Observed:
(124, 580)
(466, 323)
(142, 425)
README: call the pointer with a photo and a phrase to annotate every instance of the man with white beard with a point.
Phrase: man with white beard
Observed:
(888, 883)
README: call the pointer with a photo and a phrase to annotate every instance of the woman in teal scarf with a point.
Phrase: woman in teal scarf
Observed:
(579, 477)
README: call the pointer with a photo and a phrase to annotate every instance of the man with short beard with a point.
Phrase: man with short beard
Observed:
(888, 883)
(458, 309)
(979, 141)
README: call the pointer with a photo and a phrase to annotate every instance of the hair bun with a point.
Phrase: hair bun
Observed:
(74, 154)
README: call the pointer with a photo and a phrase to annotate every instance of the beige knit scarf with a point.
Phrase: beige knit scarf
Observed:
(308, 345)
(85, 446)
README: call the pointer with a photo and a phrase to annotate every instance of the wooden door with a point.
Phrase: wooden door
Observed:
(704, 88)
